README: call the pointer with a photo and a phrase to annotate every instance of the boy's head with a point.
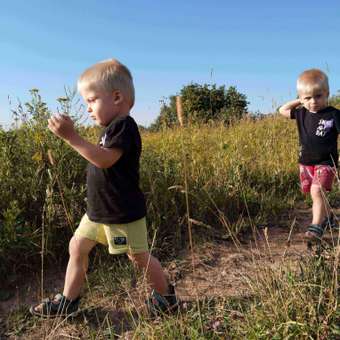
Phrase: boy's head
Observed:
(313, 89)
(107, 88)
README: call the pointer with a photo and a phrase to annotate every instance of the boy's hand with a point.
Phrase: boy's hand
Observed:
(62, 126)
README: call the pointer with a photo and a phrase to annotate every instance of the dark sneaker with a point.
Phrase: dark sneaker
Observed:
(159, 304)
(59, 306)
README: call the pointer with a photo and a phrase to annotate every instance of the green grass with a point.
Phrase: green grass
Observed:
(238, 176)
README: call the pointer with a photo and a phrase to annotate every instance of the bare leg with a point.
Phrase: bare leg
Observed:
(154, 271)
(79, 250)
(320, 205)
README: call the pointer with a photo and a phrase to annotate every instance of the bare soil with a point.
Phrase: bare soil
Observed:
(215, 269)
(223, 269)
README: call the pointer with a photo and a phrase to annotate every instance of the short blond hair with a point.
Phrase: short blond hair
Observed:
(110, 75)
(312, 80)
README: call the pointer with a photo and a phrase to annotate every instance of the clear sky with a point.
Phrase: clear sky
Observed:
(258, 46)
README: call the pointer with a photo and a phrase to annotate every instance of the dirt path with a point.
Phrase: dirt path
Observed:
(221, 268)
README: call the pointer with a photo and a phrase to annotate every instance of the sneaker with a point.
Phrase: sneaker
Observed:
(59, 306)
(159, 304)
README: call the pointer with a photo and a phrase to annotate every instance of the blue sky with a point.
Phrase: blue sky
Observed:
(258, 46)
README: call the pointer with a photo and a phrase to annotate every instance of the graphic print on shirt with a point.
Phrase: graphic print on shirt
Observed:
(324, 127)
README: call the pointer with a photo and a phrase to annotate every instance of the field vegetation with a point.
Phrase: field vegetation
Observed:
(236, 174)
(240, 175)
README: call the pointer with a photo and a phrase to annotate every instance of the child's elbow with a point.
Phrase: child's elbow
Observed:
(101, 166)
(108, 158)
(104, 165)
(284, 112)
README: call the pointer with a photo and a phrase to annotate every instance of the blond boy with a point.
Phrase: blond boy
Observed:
(116, 207)
(318, 126)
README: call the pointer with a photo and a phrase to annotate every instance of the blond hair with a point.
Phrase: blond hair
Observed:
(312, 80)
(110, 75)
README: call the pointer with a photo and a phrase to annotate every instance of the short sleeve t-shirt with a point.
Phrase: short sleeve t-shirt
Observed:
(113, 194)
(318, 135)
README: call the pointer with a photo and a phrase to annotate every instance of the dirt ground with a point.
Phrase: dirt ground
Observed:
(222, 269)
(211, 270)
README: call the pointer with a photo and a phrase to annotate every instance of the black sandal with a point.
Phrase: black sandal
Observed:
(59, 306)
(158, 304)
(315, 231)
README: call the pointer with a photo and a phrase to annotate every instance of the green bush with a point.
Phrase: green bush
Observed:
(203, 104)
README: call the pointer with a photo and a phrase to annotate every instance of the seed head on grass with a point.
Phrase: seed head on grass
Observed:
(179, 107)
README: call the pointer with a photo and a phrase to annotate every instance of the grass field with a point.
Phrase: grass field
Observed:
(238, 177)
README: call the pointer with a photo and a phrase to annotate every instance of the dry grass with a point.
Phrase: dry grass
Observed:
(236, 178)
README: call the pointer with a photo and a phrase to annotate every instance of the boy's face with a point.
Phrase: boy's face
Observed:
(102, 106)
(314, 101)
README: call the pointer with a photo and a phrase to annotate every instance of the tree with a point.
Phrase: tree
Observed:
(236, 104)
(203, 103)
(167, 116)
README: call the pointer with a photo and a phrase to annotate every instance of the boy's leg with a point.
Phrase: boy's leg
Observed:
(131, 238)
(320, 210)
(67, 303)
(153, 269)
(79, 249)
(163, 297)
(322, 182)
(320, 206)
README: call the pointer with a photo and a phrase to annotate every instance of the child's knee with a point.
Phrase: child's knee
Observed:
(317, 193)
(79, 247)
(74, 248)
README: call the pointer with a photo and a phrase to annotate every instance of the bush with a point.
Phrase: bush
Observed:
(203, 104)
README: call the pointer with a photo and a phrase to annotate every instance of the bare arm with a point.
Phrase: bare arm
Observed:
(286, 108)
(63, 127)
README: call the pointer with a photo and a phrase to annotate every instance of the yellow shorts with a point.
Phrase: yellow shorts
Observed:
(121, 238)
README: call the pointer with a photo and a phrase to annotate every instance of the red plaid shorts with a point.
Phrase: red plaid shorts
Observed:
(321, 175)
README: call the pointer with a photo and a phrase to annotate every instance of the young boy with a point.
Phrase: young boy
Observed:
(115, 204)
(318, 126)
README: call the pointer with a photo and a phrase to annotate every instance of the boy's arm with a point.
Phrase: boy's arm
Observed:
(63, 127)
(286, 108)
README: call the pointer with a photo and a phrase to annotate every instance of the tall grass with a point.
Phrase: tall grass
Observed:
(29, 197)
(237, 176)
(246, 170)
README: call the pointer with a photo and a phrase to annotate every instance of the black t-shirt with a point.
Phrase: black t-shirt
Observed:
(318, 134)
(113, 194)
